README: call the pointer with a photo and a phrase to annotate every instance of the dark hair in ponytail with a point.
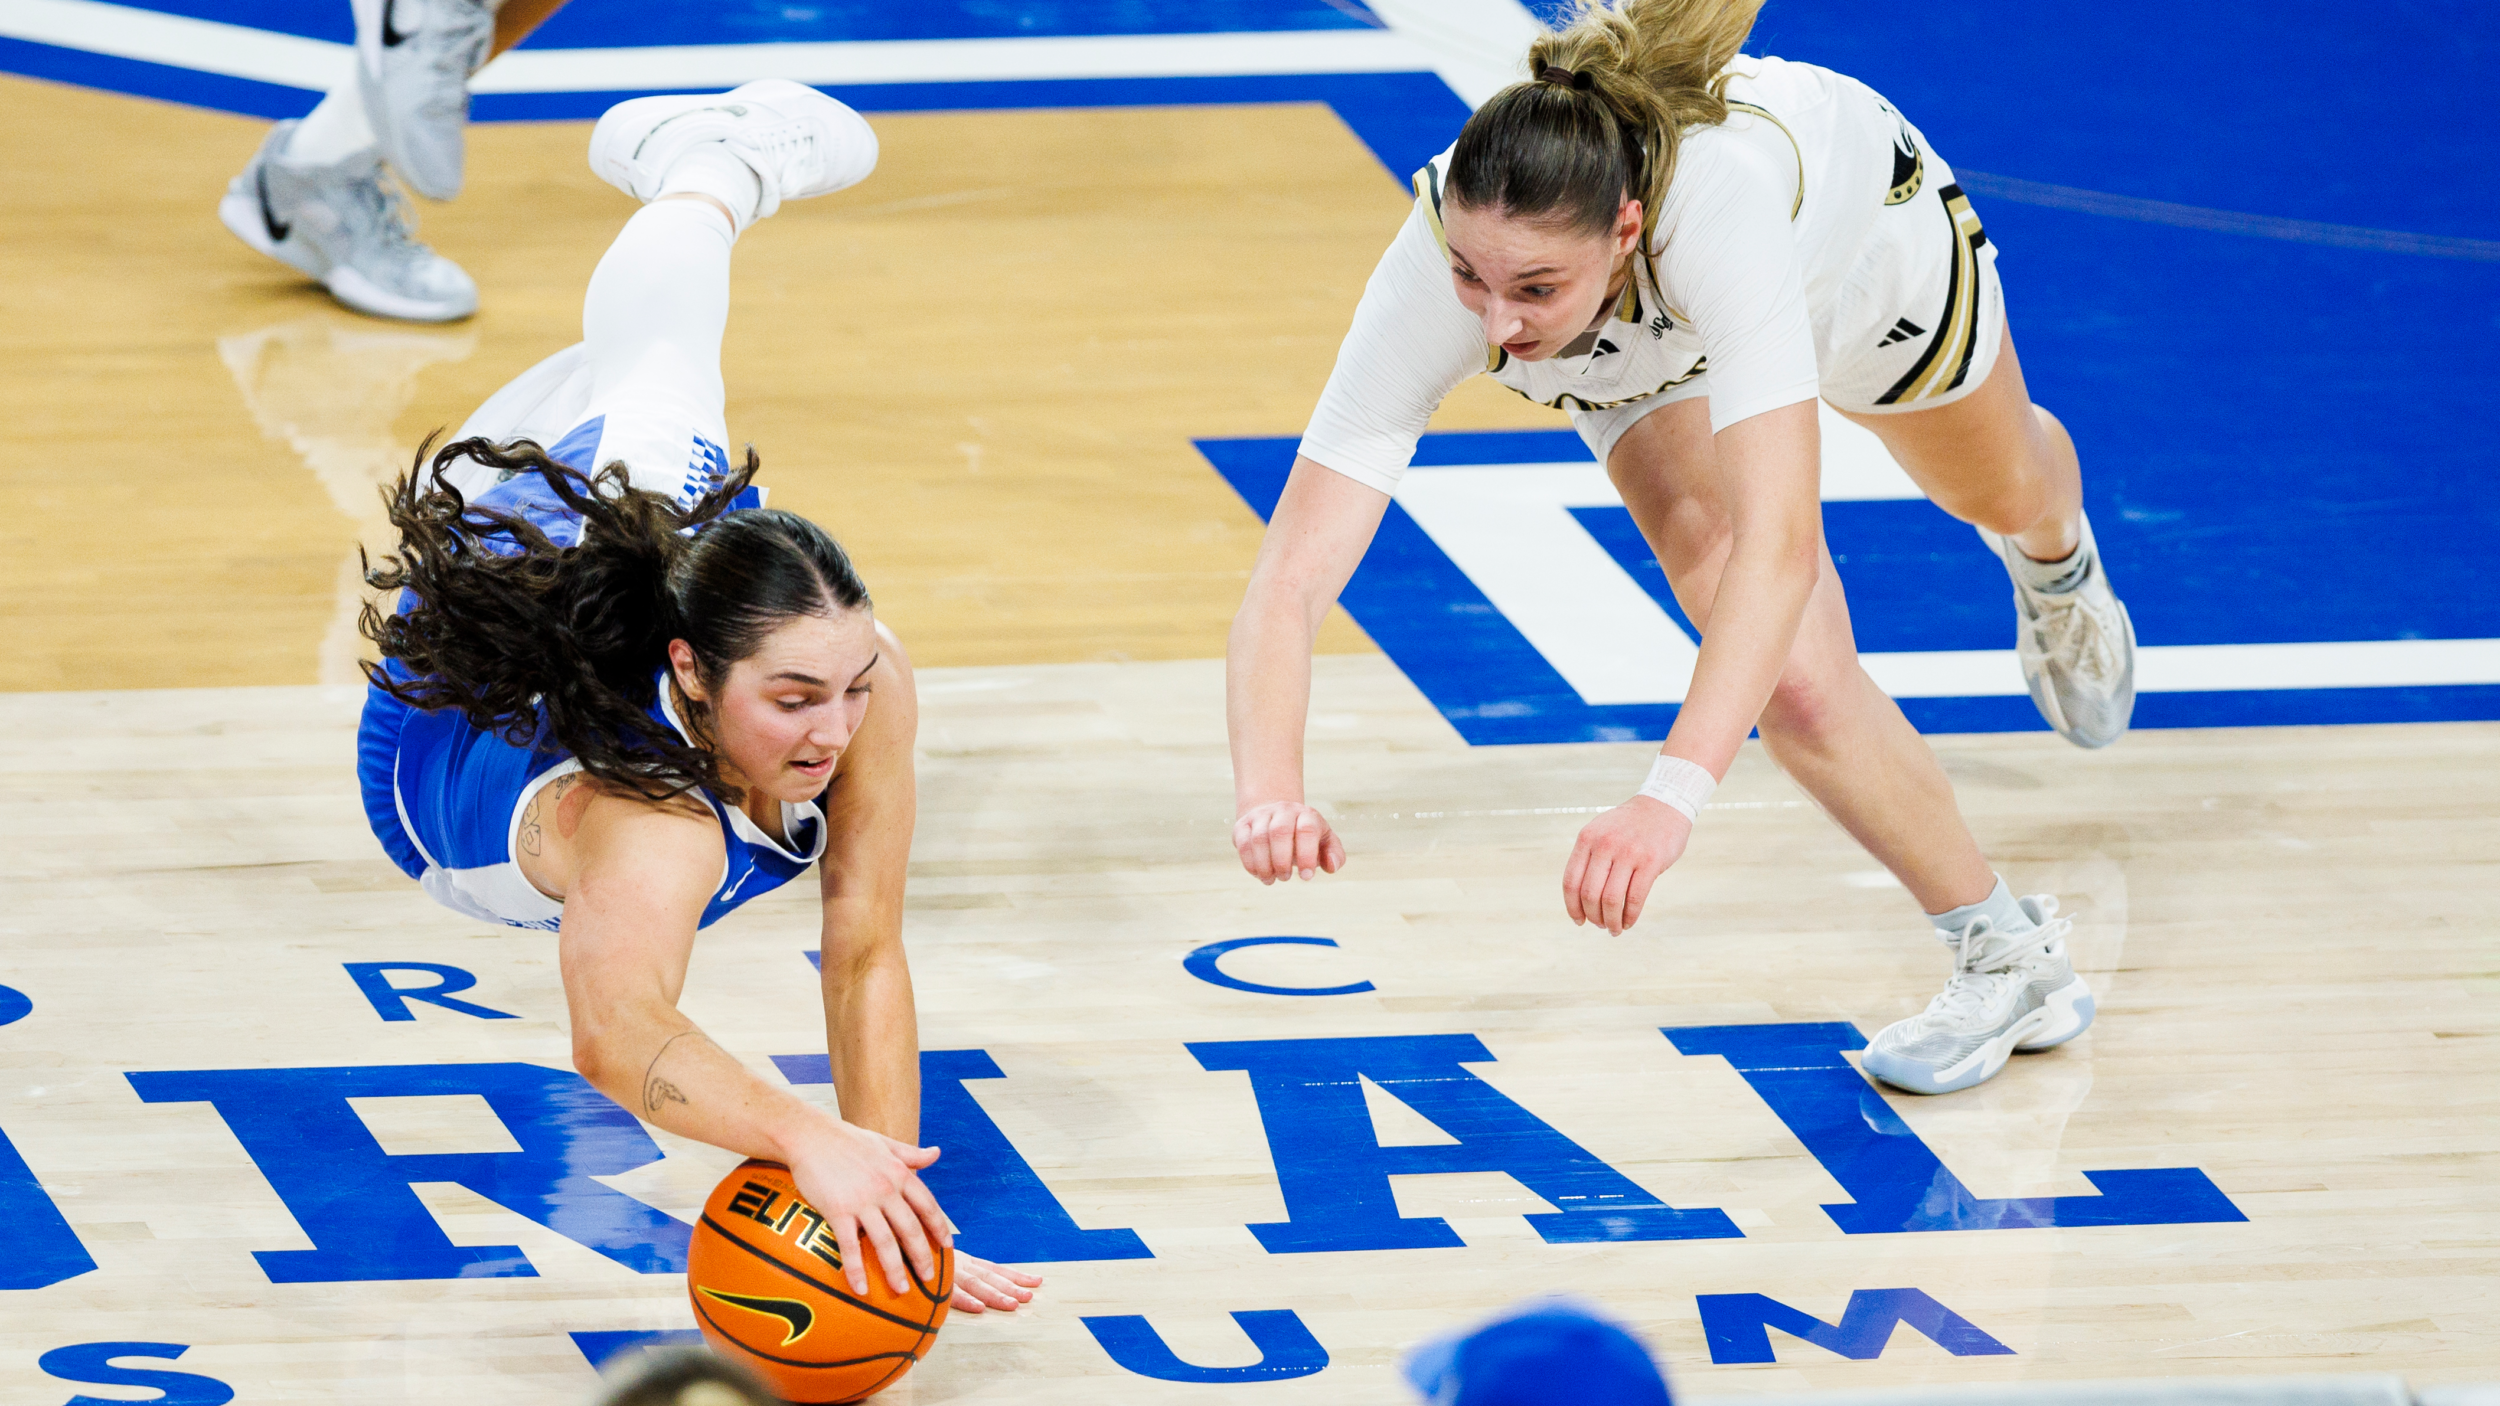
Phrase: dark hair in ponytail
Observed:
(1600, 120)
(559, 648)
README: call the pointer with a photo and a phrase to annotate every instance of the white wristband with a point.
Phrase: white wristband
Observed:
(1679, 784)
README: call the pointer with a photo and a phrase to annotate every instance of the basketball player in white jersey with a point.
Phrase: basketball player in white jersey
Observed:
(1684, 248)
(318, 194)
(619, 698)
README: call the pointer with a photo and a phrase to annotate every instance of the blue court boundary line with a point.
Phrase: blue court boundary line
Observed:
(1403, 118)
(1484, 677)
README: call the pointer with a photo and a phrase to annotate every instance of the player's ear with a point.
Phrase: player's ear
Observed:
(683, 665)
(1628, 227)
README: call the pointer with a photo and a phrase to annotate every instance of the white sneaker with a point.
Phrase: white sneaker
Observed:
(348, 226)
(2077, 648)
(2009, 991)
(800, 142)
(413, 61)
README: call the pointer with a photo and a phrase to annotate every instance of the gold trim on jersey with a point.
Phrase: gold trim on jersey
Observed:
(1799, 151)
(1955, 341)
(1568, 401)
(1428, 200)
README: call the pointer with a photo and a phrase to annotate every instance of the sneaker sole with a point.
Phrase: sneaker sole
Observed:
(364, 295)
(2067, 1013)
(240, 214)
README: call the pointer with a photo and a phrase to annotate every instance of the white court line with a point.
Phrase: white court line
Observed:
(1509, 528)
(237, 51)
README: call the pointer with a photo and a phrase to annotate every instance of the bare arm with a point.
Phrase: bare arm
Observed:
(1322, 524)
(639, 876)
(872, 1031)
(1769, 467)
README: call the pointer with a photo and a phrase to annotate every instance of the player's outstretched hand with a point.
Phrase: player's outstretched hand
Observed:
(981, 1285)
(1280, 839)
(1618, 856)
(867, 1187)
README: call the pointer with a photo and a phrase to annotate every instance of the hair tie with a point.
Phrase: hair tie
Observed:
(1577, 80)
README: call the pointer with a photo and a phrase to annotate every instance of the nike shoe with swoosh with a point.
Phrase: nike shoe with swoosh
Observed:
(413, 61)
(348, 226)
(799, 142)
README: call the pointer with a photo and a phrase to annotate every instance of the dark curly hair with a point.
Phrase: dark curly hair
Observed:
(560, 648)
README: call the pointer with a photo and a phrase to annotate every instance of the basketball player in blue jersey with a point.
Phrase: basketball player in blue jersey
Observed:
(618, 698)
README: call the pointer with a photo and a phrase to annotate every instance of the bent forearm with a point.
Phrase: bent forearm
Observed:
(872, 1034)
(1267, 695)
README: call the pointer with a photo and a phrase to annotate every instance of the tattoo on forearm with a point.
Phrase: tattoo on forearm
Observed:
(656, 1090)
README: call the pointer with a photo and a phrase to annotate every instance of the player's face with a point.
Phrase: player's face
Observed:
(1536, 285)
(787, 711)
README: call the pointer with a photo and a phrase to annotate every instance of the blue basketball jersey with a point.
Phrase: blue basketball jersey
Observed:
(445, 799)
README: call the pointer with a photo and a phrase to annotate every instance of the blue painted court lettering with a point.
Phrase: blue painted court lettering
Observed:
(1738, 1326)
(15, 1005)
(1002, 1208)
(37, 1247)
(1286, 1348)
(353, 1199)
(1335, 1174)
(91, 1364)
(1895, 1181)
(391, 1002)
(1204, 965)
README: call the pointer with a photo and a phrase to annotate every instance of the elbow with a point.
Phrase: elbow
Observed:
(593, 1058)
(599, 1054)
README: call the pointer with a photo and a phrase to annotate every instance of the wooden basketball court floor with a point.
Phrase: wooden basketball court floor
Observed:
(984, 370)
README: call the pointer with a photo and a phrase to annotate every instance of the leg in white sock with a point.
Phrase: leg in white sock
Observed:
(651, 329)
(334, 130)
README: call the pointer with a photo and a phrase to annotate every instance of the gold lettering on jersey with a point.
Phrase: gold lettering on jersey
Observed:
(1572, 402)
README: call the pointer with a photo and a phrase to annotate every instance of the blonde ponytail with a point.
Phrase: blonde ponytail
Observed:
(1606, 105)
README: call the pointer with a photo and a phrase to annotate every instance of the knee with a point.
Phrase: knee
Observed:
(1808, 703)
(2013, 485)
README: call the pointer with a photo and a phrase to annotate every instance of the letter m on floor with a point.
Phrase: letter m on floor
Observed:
(1738, 1326)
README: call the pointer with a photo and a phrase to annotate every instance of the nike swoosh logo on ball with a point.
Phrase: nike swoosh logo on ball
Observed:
(798, 1315)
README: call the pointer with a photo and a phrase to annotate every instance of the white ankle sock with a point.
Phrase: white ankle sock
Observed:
(333, 131)
(2064, 574)
(1999, 908)
(712, 169)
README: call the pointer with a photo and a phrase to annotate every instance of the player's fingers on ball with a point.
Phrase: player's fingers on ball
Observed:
(880, 1224)
(846, 1239)
(924, 1205)
(916, 1237)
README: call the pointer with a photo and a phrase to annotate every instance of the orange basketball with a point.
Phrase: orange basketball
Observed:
(766, 1280)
